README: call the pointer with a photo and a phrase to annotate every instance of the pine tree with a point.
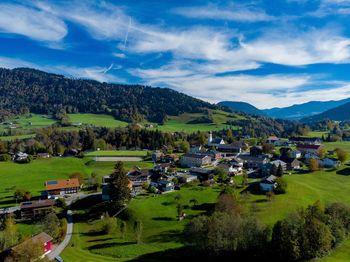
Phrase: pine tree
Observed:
(119, 188)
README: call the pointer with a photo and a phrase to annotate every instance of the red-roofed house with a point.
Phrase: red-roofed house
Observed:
(62, 187)
(44, 239)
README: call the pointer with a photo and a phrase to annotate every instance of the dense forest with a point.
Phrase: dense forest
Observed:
(24, 90)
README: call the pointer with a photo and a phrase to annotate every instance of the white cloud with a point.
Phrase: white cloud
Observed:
(238, 13)
(298, 48)
(101, 74)
(262, 91)
(32, 23)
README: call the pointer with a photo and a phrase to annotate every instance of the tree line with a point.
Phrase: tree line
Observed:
(230, 232)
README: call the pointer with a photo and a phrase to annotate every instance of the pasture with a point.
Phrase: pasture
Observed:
(97, 120)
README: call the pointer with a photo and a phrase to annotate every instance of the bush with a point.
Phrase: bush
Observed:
(109, 224)
(281, 186)
(5, 157)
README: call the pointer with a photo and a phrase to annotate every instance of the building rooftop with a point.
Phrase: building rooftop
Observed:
(61, 184)
(37, 204)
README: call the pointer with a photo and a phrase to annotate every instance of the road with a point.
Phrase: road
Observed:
(58, 250)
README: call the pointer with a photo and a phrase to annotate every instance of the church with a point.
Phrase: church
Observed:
(216, 142)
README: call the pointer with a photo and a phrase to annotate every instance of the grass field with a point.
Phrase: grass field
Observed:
(140, 153)
(97, 120)
(15, 137)
(33, 175)
(181, 123)
(161, 229)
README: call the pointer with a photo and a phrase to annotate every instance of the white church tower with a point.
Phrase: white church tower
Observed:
(210, 138)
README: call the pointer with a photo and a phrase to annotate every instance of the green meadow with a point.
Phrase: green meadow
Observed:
(97, 120)
(140, 153)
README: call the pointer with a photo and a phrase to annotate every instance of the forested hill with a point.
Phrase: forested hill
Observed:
(340, 113)
(27, 90)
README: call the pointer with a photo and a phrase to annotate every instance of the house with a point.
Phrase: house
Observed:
(253, 162)
(273, 140)
(203, 174)
(170, 158)
(43, 155)
(292, 162)
(306, 140)
(44, 239)
(195, 160)
(289, 152)
(278, 163)
(216, 142)
(156, 156)
(268, 184)
(20, 157)
(62, 187)
(236, 161)
(36, 208)
(233, 148)
(330, 162)
(185, 178)
(231, 169)
(138, 177)
(310, 148)
(165, 186)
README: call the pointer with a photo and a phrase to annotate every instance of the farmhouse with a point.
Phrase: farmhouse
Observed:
(138, 177)
(268, 184)
(202, 174)
(185, 178)
(62, 187)
(278, 163)
(292, 163)
(195, 160)
(233, 148)
(36, 209)
(45, 241)
(165, 186)
(309, 148)
(253, 162)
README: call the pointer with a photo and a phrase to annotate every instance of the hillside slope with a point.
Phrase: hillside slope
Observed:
(25, 90)
(242, 107)
(340, 113)
(296, 112)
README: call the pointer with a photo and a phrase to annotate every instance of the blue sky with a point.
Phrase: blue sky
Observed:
(268, 53)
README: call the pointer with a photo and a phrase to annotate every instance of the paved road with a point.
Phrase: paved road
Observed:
(58, 250)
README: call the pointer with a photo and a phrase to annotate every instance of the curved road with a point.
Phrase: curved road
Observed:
(58, 250)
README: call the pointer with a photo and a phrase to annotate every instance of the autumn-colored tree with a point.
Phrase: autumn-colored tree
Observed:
(313, 165)
(341, 154)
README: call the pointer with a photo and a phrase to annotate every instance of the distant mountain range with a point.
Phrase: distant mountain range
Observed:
(340, 113)
(242, 107)
(310, 111)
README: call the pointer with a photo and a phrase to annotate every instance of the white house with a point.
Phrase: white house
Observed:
(268, 184)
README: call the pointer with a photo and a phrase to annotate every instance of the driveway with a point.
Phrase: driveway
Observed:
(58, 250)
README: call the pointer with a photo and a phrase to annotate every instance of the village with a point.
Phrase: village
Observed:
(215, 162)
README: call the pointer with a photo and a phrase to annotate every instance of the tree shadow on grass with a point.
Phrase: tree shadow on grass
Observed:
(107, 245)
(344, 172)
(100, 239)
(206, 208)
(167, 236)
(167, 203)
(163, 218)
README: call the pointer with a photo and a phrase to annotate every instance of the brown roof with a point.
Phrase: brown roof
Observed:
(61, 184)
(42, 238)
(37, 203)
